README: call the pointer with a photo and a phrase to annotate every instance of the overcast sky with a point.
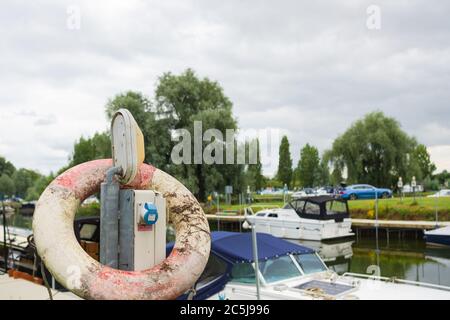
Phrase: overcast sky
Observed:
(309, 68)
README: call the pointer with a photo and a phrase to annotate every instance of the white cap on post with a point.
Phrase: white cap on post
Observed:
(127, 144)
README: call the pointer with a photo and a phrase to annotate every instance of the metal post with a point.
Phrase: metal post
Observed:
(376, 227)
(109, 219)
(255, 255)
(436, 207)
(5, 246)
(240, 202)
(218, 200)
(126, 230)
(255, 258)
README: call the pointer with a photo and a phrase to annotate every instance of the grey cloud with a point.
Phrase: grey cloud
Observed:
(310, 67)
(46, 121)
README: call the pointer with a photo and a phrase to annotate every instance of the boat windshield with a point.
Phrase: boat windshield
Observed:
(273, 270)
(310, 263)
(336, 207)
(282, 268)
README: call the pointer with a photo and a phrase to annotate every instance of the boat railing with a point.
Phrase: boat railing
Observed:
(396, 280)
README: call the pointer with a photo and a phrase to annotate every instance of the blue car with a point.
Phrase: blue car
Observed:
(364, 191)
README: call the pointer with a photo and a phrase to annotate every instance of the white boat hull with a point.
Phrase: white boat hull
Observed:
(304, 229)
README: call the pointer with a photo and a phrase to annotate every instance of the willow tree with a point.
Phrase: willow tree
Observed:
(375, 150)
(180, 101)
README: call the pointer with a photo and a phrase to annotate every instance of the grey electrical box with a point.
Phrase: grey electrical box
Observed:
(142, 240)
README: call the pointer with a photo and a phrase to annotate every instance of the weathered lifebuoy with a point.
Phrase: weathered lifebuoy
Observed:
(76, 270)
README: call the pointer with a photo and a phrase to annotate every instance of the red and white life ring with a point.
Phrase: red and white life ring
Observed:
(76, 270)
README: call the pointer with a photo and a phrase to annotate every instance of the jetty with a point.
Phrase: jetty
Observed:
(356, 223)
(13, 288)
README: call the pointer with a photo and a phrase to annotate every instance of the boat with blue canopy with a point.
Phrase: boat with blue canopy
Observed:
(289, 271)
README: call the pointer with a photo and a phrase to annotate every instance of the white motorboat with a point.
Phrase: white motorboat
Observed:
(440, 236)
(309, 218)
(291, 271)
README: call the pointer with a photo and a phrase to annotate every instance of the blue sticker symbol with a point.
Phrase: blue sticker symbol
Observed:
(151, 213)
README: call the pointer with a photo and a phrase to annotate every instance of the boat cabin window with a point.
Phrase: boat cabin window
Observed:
(296, 205)
(278, 269)
(243, 273)
(87, 231)
(273, 215)
(310, 263)
(312, 208)
(260, 214)
(214, 269)
(336, 207)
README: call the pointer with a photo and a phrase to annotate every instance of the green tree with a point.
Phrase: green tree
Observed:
(336, 176)
(284, 173)
(430, 184)
(255, 178)
(422, 157)
(87, 149)
(23, 180)
(324, 177)
(179, 101)
(138, 104)
(157, 133)
(35, 191)
(375, 150)
(7, 187)
(443, 178)
(274, 183)
(308, 168)
(6, 167)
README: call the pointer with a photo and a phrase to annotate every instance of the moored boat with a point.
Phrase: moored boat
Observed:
(309, 218)
(440, 236)
(291, 271)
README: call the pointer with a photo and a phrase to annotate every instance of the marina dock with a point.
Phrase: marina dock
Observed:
(19, 289)
(357, 223)
(399, 224)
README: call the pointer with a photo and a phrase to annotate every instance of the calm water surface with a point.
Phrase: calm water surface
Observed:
(409, 259)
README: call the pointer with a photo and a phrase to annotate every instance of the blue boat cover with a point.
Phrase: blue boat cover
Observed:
(234, 247)
(237, 247)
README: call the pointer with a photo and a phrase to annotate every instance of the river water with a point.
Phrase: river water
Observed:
(409, 259)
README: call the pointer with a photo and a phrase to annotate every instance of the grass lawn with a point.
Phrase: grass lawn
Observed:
(389, 209)
(406, 209)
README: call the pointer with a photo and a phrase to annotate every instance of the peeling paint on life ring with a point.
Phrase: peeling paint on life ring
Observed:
(76, 270)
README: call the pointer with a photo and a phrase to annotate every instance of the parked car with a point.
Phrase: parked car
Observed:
(90, 200)
(13, 200)
(442, 193)
(324, 191)
(364, 191)
(306, 192)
